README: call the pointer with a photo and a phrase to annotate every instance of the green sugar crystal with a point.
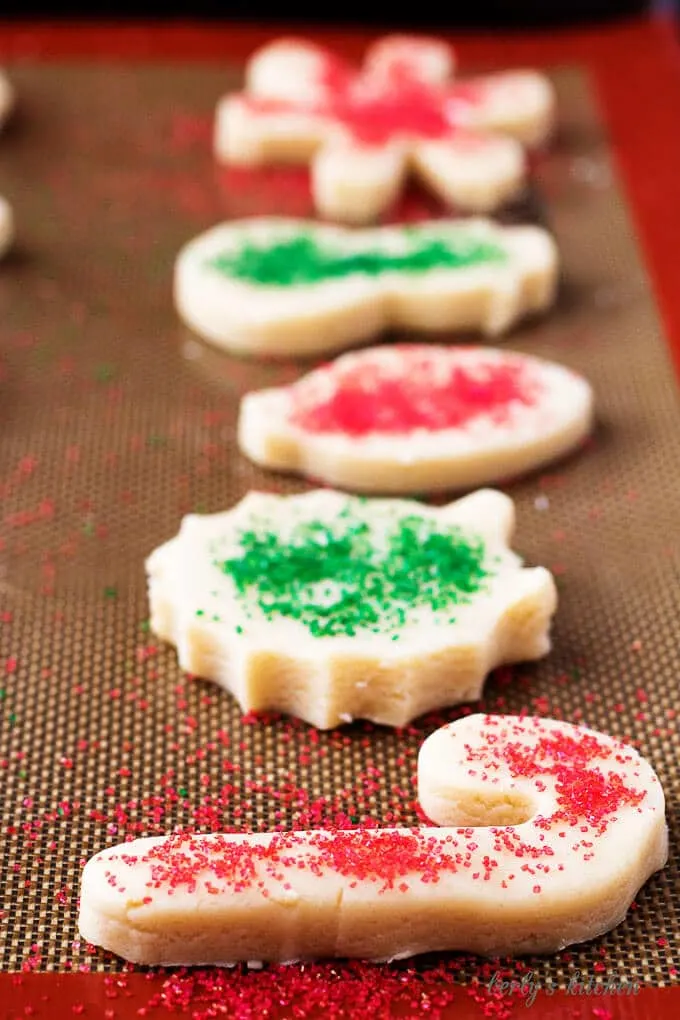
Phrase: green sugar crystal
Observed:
(300, 259)
(357, 573)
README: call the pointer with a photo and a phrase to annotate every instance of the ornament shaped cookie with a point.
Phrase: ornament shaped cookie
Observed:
(417, 418)
(280, 287)
(548, 832)
(332, 607)
(362, 132)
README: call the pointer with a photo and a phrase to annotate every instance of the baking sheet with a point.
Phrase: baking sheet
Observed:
(115, 421)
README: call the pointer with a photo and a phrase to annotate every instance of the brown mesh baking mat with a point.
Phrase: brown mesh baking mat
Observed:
(115, 421)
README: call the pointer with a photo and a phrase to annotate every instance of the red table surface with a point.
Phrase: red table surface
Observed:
(635, 68)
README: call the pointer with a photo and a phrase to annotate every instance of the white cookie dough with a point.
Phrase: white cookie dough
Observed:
(362, 132)
(280, 287)
(7, 98)
(408, 419)
(332, 607)
(549, 832)
(6, 226)
(6, 215)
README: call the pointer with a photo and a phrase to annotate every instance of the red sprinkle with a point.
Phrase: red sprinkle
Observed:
(584, 791)
(588, 796)
(412, 388)
(326, 989)
(375, 108)
(375, 855)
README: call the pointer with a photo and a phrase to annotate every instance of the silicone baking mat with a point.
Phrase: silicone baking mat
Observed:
(115, 421)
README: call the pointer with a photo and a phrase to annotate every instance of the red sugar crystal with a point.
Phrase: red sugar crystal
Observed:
(587, 796)
(422, 393)
(374, 110)
(584, 790)
(318, 990)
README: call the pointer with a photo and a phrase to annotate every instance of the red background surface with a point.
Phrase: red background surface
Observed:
(635, 69)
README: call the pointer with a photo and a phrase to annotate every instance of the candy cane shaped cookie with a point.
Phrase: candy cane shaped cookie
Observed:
(332, 607)
(407, 419)
(549, 831)
(278, 287)
(364, 131)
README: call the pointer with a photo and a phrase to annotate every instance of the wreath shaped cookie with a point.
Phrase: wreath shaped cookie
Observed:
(331, 607)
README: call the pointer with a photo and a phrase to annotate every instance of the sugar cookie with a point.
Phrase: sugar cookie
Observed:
(332, 607)
(550, 831)
(406, 419)
(6, 226)
(6, 215)
(363, 131)
(6, 98)
(281, 287)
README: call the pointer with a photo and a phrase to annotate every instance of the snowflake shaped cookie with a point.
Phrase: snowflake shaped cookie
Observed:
(279, 287)
(332, 607)
(362, 132)
(408, 419)
(548, 832)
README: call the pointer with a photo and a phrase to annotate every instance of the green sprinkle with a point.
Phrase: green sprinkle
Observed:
(42, 354)
(200, 612)
(12, 718)
(110, 592)
(238, 628)
(355, 573)
(104, 373)
(183, 792)
(157, 440)
(89, 529)
(3, 695)
(301, 260)
(145, 626)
